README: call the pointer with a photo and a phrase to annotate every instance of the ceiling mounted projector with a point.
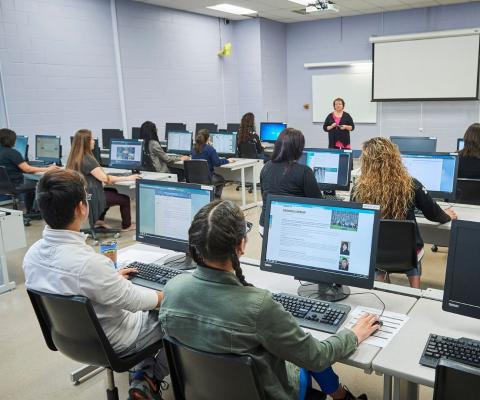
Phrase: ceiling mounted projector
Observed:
(319, 6)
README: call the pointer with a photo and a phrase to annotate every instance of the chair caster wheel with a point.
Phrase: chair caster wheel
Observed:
(116, 236)
(434, 248)
(26, 223)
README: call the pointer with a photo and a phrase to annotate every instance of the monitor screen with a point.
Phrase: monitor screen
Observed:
(179, 142)
(224, 143)
(320, 240)
(210, 127)
(21, 145)
(108, 135)
(460, 144)
(136, 133)
(126, 154)
(269, 131)
(165, 211)
(47, 148)
(330, 167)
(420, 144)
(461, 294)
(436, 171)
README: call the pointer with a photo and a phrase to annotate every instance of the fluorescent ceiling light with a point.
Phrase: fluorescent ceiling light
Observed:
(231, 9)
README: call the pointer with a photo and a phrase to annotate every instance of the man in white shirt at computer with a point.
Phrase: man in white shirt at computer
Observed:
(62, 263)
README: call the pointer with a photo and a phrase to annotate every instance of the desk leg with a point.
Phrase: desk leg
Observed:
(242, 174)
(387, 387)
(83, 372)
(254, 180)
(403, 389)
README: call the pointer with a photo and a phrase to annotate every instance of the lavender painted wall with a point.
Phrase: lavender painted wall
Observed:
(347, 39)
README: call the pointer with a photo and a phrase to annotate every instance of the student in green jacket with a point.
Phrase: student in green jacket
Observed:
(223, 313)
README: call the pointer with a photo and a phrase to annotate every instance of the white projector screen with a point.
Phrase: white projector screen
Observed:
(444, 68)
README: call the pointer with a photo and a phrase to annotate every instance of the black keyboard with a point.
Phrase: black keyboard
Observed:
(332, 197)
(152, 276)
(463, 350)
(120, 173)
(314, 314)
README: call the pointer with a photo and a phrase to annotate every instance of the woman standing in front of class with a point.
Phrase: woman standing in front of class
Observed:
(338, 125)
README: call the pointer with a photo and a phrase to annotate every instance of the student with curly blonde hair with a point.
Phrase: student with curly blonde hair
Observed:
(385, 181)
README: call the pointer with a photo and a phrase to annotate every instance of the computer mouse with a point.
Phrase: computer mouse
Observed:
(378, 322)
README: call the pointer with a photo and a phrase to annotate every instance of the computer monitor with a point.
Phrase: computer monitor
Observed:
(21, 145)
(421, 144)
(225, 143)
(233, 127)
(126, 154)
(331, 167)
(179, 142)
(269, 131)
(436, 171)
(165, 211)
(208, 126)
(136, 133)
(461, 294)
(174, 127)
(47, 148)
(108, 135)
(321, 241)
(460, 144)
(455, 380)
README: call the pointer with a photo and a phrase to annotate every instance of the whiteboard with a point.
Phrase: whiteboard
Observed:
(354, 87)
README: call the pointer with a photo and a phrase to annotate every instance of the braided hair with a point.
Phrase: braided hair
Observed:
(216, 231)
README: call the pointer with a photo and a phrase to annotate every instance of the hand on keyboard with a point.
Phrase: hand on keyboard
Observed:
(365, 327)
(125, 272)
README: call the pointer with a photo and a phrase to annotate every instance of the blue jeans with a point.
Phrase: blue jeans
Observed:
(326, 379)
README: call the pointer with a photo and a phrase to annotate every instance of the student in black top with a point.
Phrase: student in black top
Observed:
(469, 156)
(247, 134)
(385, 181)
(16, 166)
(339, 124)
(283, 175)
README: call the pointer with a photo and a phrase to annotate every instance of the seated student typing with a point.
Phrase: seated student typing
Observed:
(469, 156)
(16, 166)
(203, 150)
(247, 134)
(385, 181)
(81, 159)
(282, 175)
(62, 263)
(223, 313)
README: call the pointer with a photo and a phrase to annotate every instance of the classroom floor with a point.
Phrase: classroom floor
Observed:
(29, 371)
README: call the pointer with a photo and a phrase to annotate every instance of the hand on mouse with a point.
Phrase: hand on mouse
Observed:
(365, 326)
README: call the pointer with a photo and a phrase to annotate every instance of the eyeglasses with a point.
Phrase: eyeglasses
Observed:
(248, 227)
(88, 196)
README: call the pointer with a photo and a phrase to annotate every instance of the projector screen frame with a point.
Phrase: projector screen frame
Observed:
(420, 37)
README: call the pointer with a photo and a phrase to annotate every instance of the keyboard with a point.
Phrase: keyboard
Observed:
(314, 314)
(152, 276)
(332, 197)
(419, 213)
(120, 173)
(463, 350)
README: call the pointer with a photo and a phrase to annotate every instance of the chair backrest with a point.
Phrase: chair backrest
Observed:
(147, 160)
(6, 185)
(196, 171)
(397, 246)
(69, 324)
(454, 380)
(199, 375)
(247, 150)
(468, 191)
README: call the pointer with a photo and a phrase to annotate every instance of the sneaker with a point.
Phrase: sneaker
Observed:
(141, 389)
(350, 396)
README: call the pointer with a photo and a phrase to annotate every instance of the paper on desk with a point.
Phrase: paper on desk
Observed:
(144, 256)
(392, 322)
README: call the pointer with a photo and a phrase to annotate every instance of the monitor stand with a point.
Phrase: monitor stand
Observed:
(324, 291)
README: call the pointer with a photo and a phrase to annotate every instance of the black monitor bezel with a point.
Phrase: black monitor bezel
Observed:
(438, 194)
(49, 159)
(222, 154)
(109, 134)
(229, 126)
(330, 186)
(26, 145)
(308, 273)
(136, 129)
(270, 123)
(448, 304)
(209, 126)
(184, 152)
(458, 143)
(431, 138)
(126, 166)
(164, 243)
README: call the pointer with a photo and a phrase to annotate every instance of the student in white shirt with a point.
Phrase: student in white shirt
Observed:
(62, 263)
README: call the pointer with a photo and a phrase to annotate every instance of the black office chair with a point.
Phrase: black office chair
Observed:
(7, 188)
(69, 325)
(196, 171)
(247, 150)
(199, 375)
(397, 247)
(454, 380)
(147, 160)
(468, 191)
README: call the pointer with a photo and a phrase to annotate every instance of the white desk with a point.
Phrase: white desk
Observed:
(400, 359)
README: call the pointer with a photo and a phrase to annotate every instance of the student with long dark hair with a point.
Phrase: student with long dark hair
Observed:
(247, 134)
(282, 175)
(162, 162)
(469, 156)
(203, 150)
(223, 313)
